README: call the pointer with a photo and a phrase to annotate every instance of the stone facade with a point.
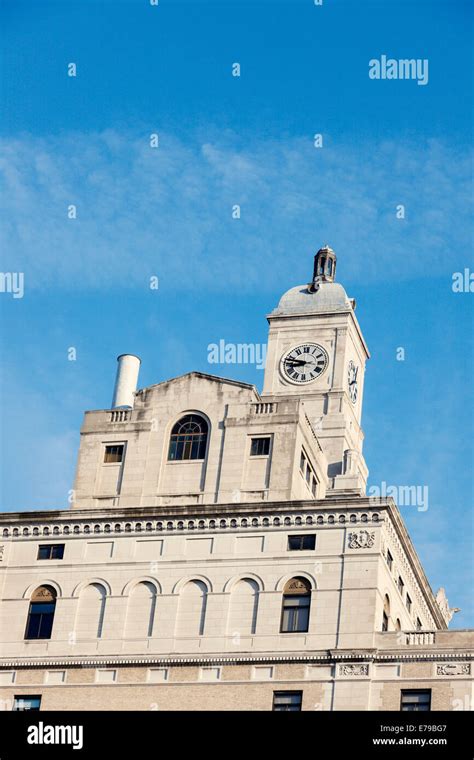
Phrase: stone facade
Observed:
(173, 581)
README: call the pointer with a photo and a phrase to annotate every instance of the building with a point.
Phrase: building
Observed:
(221, 552)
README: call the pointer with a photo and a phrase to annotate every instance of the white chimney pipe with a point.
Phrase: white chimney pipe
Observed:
(126, 380)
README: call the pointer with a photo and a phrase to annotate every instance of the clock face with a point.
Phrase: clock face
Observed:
(304, 363)
(352, 372)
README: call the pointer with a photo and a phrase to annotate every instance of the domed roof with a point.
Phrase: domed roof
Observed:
(328, 296)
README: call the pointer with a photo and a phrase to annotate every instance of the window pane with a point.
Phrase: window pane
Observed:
(287, 701)
(416, 700)
(40, 620)
(113, 454)
(303, 542)
(188, 439)
(26, 702)
(295, 614)
(259, 447)
(302, 462)
(57, 551)
(50, 551)
(44, 551)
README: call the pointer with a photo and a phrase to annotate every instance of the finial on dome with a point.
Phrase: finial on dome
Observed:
(324, 267)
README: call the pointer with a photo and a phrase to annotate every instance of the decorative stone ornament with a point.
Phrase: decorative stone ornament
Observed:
(297, 586)
(453, 669)
(43, 594)
(361, 540)
(354, 670)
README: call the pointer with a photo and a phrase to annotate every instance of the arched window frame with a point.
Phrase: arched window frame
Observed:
(386, 613)
(39, 624)
(296, 606)
(189, 438)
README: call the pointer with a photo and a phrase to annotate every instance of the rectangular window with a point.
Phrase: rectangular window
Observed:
(389, 559)
(301, 543)
(408, 603)
(287, 701)
(302, 462)
(308, 473)
(26, 702)
(314, 485)
(260, 447)
(295, 614)
(40, 620)
(419, 624)
(415, 699)
(384, 622)
(113, 454)
(50, 551)
(401, 585)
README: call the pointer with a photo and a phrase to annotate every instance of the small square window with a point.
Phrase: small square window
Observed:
(113, 454)
(301, 543)
(50, 551)
(260, 447)
(418, 700)
(26, 702)
(287, 701)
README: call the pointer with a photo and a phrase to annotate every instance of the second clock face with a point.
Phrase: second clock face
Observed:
(304, 363)
(352, 372)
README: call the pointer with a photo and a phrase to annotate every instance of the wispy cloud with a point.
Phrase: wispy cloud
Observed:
(168, 211)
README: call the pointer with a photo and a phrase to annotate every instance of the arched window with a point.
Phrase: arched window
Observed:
(188, 438)
(398, 625)
(296, 606)
(41, 613)
(243, 608)
(386, 613)
(192, 609)
(91, 611)
(141, 611)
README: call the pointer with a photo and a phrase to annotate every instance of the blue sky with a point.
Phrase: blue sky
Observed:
(167, 212)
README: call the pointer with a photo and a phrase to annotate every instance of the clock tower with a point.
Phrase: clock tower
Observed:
(316, 351)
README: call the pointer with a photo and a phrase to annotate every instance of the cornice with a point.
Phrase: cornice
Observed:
(323, 658)
(189, 519)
